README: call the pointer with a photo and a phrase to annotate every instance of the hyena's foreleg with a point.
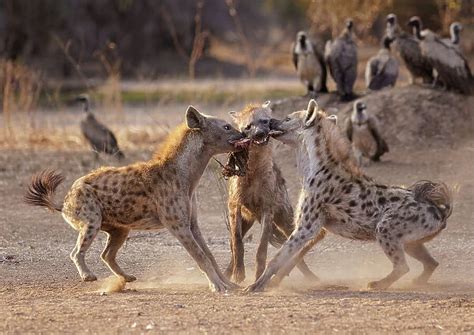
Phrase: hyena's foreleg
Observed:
(181, 229)
(309, 230)
(236, 268)
(298, 261)
(196, 232)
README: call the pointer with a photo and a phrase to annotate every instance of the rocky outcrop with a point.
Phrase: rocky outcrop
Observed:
(407, 115)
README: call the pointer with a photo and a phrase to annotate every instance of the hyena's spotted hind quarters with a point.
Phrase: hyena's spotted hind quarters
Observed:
(40, 193)
(151, 195)
(413, 220)
(258, 195)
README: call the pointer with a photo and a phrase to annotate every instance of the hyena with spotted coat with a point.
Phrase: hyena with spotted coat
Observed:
(149, 195)
(260, 195)
(336, 195)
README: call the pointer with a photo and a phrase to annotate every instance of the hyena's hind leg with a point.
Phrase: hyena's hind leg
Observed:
(419, 252)
(390, 241)
(115, 239)
(88, 229)
(261, 259)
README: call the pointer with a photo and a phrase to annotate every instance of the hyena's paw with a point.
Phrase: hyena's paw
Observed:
(378, 285)
(88, 277)
(239, 276)
(129, 278)
(221, 287)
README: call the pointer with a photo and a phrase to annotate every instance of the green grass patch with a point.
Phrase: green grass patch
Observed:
(209, 95)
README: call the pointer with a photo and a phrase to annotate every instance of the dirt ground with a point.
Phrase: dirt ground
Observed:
(40, 291)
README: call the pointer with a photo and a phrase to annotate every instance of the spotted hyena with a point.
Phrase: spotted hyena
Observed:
(336, 195)
(151, 195)
(259, 195)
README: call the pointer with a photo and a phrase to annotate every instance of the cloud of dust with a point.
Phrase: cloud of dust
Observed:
(113, 284)
(177, 274)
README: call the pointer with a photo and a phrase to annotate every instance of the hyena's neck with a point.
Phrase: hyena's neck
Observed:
(317, 161)
(260, 158)
(186, 164)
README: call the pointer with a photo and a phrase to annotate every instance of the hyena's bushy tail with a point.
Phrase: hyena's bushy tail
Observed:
(438, 194)
(42, 188)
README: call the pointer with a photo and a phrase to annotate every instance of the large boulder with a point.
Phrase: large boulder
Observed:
(407, 115)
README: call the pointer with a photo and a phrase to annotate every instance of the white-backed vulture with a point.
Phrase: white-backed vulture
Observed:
(341, 58)
(454, 39)
(408, 48)
(362, 131)
(382, 69)
(100, 138)
(309, 64)
(451, 67)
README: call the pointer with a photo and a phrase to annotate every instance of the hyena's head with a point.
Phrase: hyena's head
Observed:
(254, 122)
(295, 126)
(218, 135)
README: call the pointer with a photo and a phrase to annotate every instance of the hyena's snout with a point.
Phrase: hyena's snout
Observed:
(275, 128)
(259, 134)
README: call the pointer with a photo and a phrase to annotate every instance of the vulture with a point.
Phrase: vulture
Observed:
(362, 131)
(341, 58)
(100, 138)
(409, 50)
(454, 32)
(309, 64)
(382, 69)
(451, 67)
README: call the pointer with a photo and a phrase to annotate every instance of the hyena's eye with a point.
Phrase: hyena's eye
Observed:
(287, 119)
(227, 127)
(265, 121)
(248, 127)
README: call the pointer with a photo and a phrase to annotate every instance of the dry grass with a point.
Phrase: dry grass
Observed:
(20, 87)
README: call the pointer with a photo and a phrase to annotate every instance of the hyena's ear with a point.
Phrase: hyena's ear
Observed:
(311, 113)
(332, 118)
(194, 119)
(233, 115)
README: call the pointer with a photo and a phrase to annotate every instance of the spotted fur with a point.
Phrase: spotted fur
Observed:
(151, 195)
(260, 195)
(340, 198)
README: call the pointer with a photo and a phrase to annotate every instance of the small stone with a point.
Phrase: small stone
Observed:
(150, 326)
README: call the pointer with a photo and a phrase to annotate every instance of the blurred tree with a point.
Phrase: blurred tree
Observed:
(448, 12)
(330, 15)
(288, 10)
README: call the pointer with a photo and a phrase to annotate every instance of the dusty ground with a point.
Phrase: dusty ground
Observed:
(40, 290)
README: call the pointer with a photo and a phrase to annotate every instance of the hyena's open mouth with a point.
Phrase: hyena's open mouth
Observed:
(242, 143)
(261, 141)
